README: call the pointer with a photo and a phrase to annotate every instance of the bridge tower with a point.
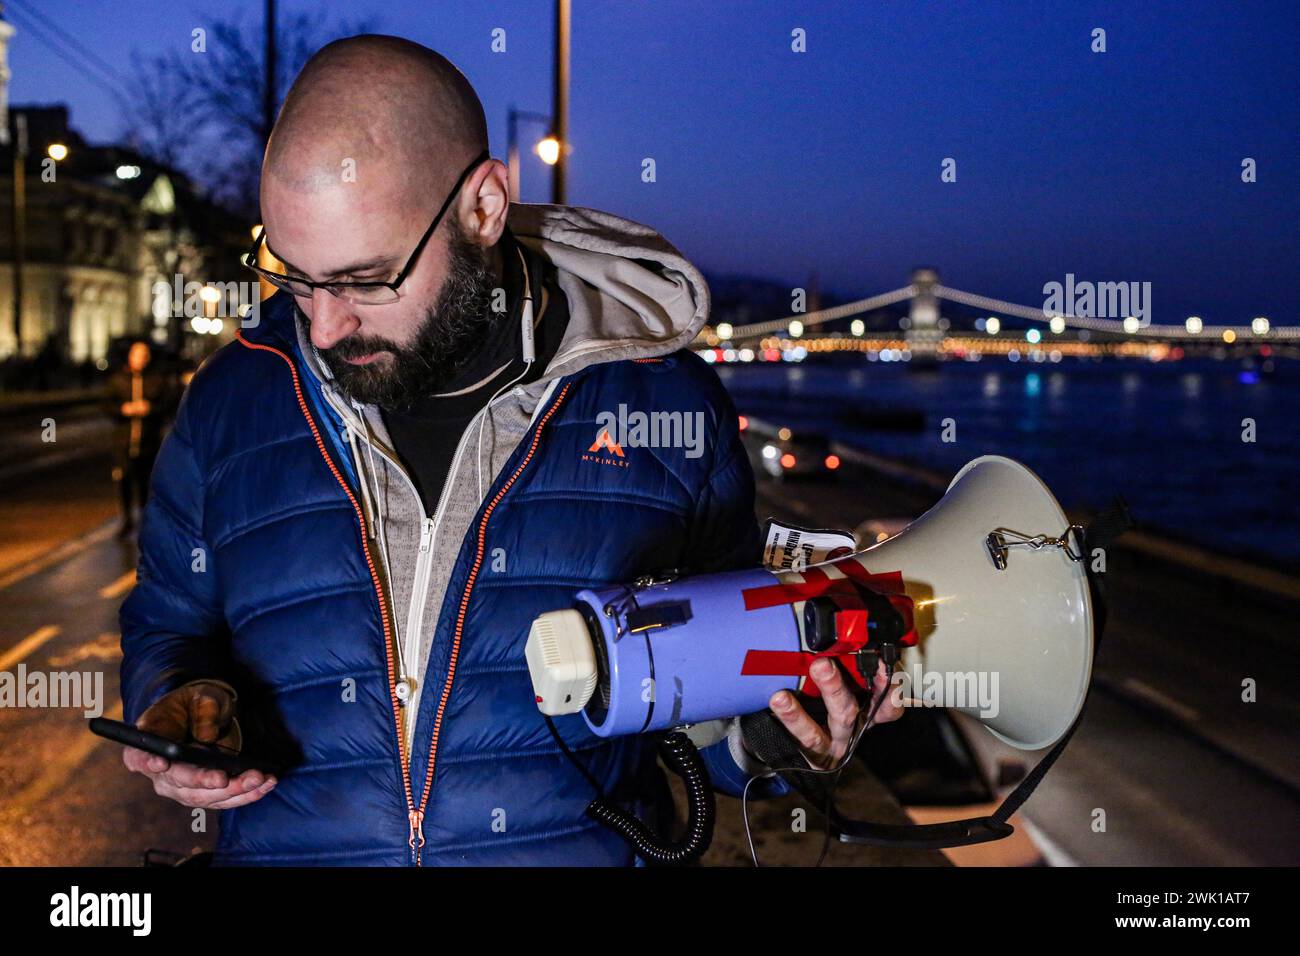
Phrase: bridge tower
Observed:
(923, 333)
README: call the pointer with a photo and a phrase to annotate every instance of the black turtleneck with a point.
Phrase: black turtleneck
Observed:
(425, 436)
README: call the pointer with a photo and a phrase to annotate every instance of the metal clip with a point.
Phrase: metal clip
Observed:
(619, 608)
(650, 580)
(1002, 540)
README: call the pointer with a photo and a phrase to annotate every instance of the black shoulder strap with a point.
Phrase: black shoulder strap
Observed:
(772, 744)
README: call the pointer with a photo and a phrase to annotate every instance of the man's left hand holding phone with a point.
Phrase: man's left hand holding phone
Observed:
(202, 711)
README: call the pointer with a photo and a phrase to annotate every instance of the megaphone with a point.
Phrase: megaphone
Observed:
(983, 602)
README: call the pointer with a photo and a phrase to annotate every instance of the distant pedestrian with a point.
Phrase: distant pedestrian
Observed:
(141, 398)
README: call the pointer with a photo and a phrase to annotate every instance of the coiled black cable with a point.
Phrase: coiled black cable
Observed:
(680, 756)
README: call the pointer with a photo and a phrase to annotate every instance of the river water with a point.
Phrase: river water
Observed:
(1169, 436)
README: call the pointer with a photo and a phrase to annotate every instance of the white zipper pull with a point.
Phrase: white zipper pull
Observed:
(406, 686)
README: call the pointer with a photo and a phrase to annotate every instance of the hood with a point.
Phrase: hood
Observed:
(631, 294)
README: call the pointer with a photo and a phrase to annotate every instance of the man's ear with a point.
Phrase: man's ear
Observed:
(484, 203)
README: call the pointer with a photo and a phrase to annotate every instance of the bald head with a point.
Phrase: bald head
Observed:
(379, 106)
(359, 186)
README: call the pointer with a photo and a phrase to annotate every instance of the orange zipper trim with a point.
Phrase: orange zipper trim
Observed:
(374, 577)
(417, 816)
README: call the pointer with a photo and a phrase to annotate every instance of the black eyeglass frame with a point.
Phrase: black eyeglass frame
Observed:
(250, 258)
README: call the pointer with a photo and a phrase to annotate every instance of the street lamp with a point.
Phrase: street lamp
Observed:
(513, 116)
(553, 149)
(57, 152)
(549, 150)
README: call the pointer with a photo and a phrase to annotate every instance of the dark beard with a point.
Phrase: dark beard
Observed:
(449, 336)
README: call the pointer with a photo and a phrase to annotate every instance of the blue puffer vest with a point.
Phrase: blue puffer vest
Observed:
(252, 569)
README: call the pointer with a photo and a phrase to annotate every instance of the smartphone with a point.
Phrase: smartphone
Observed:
(201, 755)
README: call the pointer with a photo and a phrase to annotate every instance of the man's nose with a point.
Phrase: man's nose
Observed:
(332, 319)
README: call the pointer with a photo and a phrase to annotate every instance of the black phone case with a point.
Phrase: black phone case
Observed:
(202, 755)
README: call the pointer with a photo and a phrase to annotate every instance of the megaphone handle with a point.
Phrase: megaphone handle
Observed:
(772, 743)
(929, 836)
(936, 836)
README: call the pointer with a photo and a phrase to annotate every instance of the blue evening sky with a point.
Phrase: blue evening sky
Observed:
(1122, 166)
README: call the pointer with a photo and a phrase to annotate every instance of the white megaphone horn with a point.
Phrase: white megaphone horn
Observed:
(1003, 613)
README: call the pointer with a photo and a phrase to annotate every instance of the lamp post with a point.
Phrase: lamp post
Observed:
(269, 67)
(513, 116)
(19, 223)
(560, 108)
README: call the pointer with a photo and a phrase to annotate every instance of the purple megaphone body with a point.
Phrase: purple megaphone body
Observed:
(651, 674)
(662, 653)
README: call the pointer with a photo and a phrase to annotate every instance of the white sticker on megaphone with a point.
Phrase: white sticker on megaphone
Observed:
(791, 548)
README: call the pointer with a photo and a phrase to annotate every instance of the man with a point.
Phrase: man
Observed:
(140, 399)
(384, 493)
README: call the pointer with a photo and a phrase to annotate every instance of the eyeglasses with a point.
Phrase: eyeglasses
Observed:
(358, 293)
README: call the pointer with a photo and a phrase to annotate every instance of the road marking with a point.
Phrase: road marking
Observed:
(1163, 701)
(28, 644)
(106, 647)
(44, 462)
(1052, 851)
(59, 554)
(60, 770)
(1243, 572)
(119, 587)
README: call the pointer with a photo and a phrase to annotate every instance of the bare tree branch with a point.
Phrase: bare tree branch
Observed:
(202, 112)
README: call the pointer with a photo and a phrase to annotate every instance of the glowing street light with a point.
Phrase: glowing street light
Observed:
(1194, 324)
(724, 330)
(992, 326)
(57, 152)
(796, 329)
(1057, 324)
(548, 150)
(1259, 325)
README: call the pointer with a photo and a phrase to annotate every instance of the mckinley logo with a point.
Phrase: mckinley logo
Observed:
(605, 451)
(622, 429)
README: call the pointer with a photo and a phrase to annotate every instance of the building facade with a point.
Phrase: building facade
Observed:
(88, 232)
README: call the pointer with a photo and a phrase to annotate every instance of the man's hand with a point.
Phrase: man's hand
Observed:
(205, 713)
(826, 746)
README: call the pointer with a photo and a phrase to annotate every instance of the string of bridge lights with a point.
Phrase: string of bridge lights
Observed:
(1193, 329)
